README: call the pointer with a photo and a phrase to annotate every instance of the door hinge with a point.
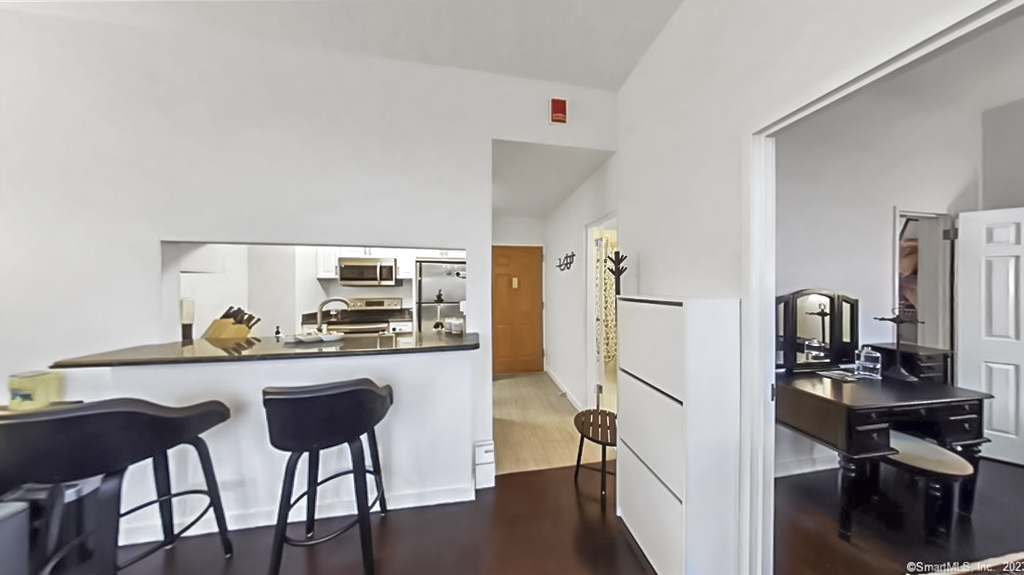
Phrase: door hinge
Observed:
(773, 393)
(950, 234)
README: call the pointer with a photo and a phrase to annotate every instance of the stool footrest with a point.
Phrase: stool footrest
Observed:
(310, 542)
(164, 543)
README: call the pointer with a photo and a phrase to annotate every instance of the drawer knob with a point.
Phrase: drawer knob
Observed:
(967, 426)
(923, 411)
(875, 435)
(967, 407)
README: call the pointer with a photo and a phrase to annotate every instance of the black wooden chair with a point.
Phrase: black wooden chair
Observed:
(309, 419)
(103, 438)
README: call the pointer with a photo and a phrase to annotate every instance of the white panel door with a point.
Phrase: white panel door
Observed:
(990, 347)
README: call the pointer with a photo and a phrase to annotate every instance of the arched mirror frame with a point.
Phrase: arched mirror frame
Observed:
(842, 325)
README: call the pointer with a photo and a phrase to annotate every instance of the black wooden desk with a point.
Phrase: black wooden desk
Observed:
(854, 419)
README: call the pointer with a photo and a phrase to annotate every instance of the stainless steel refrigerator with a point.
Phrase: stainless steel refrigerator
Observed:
(441, 293)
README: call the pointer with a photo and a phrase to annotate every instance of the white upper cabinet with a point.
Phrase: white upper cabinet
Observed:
(326, 263)
(406, 259)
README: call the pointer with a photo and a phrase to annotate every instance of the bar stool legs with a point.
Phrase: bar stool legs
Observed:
(277, 547)
(314, 476)
(359, 474)
(375, 458)
(206, 463)
(362, 505)
(162, 478)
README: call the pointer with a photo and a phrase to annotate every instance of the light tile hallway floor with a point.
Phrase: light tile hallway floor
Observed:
(533, 426)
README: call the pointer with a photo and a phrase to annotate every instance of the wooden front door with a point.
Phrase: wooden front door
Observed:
(516, 309)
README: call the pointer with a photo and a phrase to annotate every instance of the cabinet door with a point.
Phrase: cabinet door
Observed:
(405, 258)
(327, 263)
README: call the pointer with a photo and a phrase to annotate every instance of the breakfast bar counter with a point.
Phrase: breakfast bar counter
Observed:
(254, 348)
(426, 441)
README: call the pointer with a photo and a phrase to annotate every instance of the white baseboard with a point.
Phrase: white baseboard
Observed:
(565, 390)
(132, 532)
(806, 465)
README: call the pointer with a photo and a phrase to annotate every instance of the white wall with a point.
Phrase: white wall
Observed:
(272, 288)
(565, 292)
(517, 231)
(114, 138)
(214, 291)
(841, 174)
(1003, 135)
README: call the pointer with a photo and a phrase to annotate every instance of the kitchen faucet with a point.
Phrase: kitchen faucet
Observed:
(320, 311)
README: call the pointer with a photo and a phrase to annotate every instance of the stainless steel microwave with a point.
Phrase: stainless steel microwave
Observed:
(368, 271)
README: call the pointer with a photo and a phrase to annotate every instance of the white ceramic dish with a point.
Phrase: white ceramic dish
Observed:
(331, 336)
(308, 338)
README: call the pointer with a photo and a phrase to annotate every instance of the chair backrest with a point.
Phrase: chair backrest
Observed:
(315, 417)
(81, 440)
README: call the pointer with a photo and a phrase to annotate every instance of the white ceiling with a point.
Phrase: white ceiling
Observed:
(593, 43)
(533, 179)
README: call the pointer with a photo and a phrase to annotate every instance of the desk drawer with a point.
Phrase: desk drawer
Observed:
(961, 427)
(973, 408)
(865, 439)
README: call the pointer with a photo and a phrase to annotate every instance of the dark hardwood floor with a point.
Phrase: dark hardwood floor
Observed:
(888, 534)
(531, 523)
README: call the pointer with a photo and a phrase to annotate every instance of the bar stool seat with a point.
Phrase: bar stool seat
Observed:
(306, 420)
(78, 441)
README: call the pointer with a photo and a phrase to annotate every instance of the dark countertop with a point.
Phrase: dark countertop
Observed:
(250, 349)
(868, 393)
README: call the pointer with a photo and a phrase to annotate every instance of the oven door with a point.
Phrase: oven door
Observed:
(367, 271)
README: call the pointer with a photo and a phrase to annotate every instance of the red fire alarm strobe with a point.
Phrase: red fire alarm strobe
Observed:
(558, 107)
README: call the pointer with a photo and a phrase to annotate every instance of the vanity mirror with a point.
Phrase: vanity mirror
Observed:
(815, 329)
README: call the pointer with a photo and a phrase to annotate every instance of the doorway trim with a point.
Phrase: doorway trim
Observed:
(593, 378)
(757, 449)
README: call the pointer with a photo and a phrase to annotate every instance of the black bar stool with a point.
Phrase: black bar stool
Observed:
(78, 441)
(306, 420)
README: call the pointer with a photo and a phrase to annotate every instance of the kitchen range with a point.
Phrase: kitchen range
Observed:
(363, 315)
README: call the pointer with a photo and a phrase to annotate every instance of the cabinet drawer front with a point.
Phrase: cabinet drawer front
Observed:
(961, 427)
(868, 439)
(956, 409)
(652, 424)
(924, 369)
(867, 416)
(652, 513)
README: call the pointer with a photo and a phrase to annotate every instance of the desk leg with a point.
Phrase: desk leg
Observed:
(848, 473)
(971, 453)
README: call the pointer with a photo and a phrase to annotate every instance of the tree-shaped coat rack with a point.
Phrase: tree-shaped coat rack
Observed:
(617, 269)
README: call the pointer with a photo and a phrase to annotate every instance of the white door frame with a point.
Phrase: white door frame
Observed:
(757, 464)
(593, 377)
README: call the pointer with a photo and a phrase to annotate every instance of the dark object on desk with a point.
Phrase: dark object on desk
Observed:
(805, 344)
(855, 420)
(597, 425)
(70, 443)
(306, 420)
(896, 371)
(924, 363)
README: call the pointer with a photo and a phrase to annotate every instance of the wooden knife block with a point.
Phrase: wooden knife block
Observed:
(226, 329)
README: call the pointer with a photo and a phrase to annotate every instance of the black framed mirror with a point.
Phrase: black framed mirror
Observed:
(815, 329)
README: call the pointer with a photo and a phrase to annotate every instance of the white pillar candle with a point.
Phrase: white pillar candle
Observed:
(188, 311)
